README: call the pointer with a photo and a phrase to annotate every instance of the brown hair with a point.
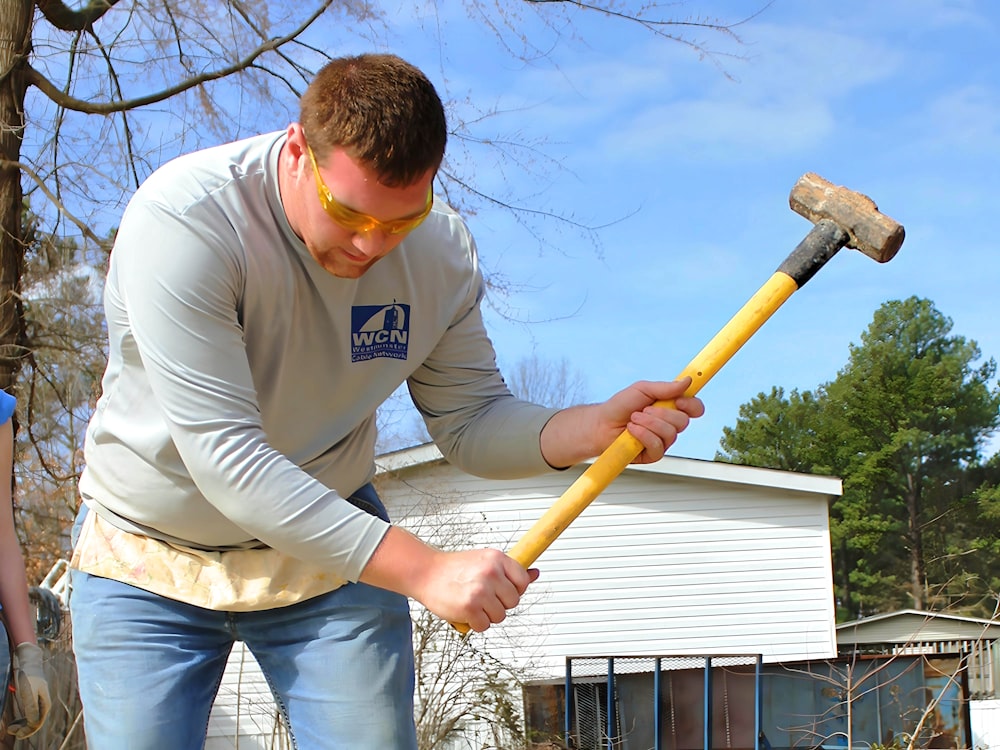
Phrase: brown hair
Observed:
(382, 111)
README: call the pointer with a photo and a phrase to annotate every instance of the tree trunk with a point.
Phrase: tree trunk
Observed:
(844, 574)
(917, 575)
(15, 45)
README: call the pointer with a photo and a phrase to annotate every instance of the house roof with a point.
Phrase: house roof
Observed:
(691, 468)
(913, 626)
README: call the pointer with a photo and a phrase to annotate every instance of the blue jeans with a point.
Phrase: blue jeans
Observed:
(340, 666)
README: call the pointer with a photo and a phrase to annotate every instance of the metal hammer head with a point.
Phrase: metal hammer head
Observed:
(871, 232)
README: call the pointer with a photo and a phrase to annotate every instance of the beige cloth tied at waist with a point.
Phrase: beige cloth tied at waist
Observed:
(232, 581)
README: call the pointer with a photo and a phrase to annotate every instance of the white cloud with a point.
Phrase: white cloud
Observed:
(967, 119)
(718, 129)
(655, 98)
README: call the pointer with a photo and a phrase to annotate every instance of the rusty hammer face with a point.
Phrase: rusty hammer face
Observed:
(842, 218)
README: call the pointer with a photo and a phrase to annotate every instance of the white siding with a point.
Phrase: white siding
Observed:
(244, 715)
(658, 564)
(684, 557)
(985, 718)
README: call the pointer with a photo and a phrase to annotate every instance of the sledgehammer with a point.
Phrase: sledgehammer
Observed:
(842, 218)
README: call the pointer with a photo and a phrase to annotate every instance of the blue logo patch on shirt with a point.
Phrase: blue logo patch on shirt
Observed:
(379, 331)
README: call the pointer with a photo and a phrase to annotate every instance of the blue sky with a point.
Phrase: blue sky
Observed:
(682, 163)
(689, 161)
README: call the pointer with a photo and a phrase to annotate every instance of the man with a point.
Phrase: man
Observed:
(263, 299)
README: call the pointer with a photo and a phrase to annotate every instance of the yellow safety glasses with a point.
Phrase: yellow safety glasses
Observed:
(354, 221)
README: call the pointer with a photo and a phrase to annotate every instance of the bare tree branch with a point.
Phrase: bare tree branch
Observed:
(36, 78)
(82, 226)
(66, 19)
(662, 27)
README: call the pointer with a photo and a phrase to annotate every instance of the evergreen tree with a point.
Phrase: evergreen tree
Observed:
(903, 423)
(912, 410)
(775, 432)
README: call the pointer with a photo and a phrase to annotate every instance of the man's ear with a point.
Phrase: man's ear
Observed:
(295, 151)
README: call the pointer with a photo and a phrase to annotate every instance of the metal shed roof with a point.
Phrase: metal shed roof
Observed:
(912, 625)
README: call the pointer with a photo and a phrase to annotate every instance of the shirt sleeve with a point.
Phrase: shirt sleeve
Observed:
(469, 411)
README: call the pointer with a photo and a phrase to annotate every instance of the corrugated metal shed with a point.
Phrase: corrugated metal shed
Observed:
(912, 631)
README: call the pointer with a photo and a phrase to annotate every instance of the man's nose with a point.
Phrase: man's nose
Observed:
(370, 243)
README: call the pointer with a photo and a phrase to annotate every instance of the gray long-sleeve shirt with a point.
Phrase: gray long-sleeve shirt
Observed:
(238, 405)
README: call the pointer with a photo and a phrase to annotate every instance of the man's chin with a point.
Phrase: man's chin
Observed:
(350, 271)
(344, 269)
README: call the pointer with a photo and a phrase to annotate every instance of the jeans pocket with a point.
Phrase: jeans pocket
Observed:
(367, 499)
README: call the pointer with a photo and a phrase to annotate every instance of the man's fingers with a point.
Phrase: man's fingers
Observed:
(692, 406)
(506, 594)
(482, 585)
(667, 390)
(480, 623)
(657, 427)
(655, 433)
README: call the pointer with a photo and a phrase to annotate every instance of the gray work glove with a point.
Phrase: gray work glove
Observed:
(31, 691)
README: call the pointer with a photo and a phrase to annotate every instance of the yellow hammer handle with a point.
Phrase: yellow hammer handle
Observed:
(625, 448)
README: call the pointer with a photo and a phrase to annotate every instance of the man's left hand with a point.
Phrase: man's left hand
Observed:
(581, 432)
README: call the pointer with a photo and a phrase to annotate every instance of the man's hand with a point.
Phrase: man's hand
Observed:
(476, 587)
(31, 691)
(471, 586)
(581, 432)
(656, 427)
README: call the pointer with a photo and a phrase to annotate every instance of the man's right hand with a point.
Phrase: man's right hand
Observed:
(476, 587)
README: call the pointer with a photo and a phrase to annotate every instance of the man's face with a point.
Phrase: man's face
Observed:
(349, 220)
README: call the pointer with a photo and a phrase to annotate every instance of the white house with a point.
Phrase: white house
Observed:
(679, 557)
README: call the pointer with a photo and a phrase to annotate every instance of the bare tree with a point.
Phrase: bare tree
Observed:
(882, 681)
(82, 122)
(463, 689)
(917, 682)
(63, 362)
(550, 383)
(93, 97)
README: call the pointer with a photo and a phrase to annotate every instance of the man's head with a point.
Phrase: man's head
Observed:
(382, 111)
(356, 172)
